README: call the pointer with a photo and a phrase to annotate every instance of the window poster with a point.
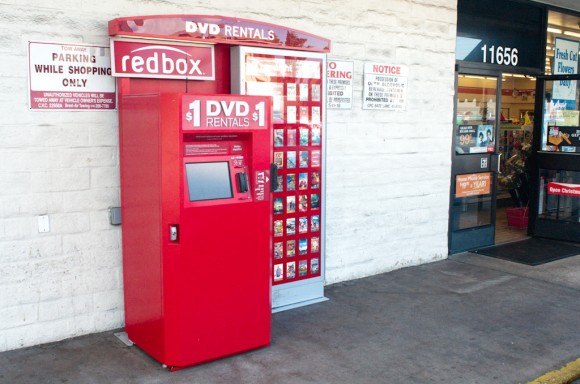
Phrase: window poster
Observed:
(303, 203)
(291, 114)
(280, 180)
(291, 160)
(278, 137)
(291, 270)
(303, 181)
(304, 115)
(315, 223)
(303, 225)
(565, 63)
(291, 226)
(315, 92)
(304, 132)
(278, 228)
(291, 138)
(474, 139)
(278, 272)
(303, 267)
(302, 246)
(303, 159)
(278, 206)
(279, 159)
(291, 248)
(291, 92)
(564, 139)
(304, 92)
(315, 115)
(314, 244)
(473, 184)
(290, 182)
(278, 251)
(315, 159)
(314, 265)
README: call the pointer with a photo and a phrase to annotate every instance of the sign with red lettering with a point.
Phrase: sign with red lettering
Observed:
(224, 111)
(339, 79)
(473, 184)
(385, 86)
(70, 77)
(159, 60)
(564, 189)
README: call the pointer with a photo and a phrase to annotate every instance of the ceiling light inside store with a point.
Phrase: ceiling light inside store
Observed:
(554, 30)
(516, 75)
(570, 33)
(475, 77)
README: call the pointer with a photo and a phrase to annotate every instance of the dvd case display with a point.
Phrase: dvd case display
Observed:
(297, 85)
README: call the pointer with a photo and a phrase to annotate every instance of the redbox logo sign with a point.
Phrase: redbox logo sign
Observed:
(170, 61)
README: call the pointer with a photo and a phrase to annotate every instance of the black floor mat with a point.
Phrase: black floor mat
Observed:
(532, 251)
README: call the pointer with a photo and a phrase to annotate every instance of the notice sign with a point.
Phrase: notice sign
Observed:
(385, 87)
(224, 111)
(473, 184)
(74, 77)
(339, 76)
(564, 189)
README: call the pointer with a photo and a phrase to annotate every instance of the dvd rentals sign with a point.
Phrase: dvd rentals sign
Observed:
(70, 77)
(168, 61)
(223, 112)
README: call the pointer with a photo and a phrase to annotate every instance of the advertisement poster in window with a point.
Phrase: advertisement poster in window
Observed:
(473, 184)
(474, 139)
(565, 63)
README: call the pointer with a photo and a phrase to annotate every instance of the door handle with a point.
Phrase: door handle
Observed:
(498, 163)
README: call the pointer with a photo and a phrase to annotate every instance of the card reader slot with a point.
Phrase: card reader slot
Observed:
(273, 177)
(242, 180)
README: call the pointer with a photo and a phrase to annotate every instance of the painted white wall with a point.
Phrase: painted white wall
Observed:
(387, 172)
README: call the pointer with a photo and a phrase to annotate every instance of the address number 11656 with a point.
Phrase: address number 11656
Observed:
(500, 55)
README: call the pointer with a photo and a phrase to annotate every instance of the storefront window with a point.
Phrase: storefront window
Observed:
(561, 127)
(559, 195)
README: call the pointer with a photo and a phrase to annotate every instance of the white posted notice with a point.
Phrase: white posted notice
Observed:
(71, 77)
(385, 86)
(339, 75)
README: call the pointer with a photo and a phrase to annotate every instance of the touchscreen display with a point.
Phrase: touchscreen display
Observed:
(208, 181)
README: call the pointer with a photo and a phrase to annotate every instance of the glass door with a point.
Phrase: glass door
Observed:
(474, 162)
(555, 212)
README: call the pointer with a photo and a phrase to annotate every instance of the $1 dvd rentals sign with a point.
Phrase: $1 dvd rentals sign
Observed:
(219, 112)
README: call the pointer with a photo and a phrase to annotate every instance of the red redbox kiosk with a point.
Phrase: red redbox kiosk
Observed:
(205, 262)
(196, 221)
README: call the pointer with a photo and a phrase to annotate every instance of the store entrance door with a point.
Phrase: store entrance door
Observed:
(474, 161)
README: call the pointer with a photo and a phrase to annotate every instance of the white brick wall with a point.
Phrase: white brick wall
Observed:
(387, 173)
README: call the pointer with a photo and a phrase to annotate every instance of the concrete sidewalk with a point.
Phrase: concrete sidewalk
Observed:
(469, 319)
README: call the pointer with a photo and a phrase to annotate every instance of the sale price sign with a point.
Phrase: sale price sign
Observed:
(224, 112)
